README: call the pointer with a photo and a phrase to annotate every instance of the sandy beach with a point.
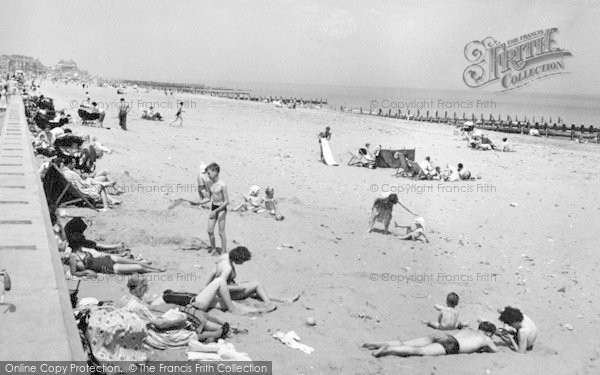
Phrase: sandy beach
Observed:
(522, 235)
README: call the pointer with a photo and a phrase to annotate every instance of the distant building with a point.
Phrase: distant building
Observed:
(66, 67)
(4, 63)
(12, 63)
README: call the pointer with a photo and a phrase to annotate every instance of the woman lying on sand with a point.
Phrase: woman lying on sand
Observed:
(382, 211)
(91, 262)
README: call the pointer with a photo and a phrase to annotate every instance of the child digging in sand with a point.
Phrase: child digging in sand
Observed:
(448, 318)
(414, 234)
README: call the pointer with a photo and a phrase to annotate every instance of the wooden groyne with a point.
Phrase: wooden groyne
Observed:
(507, 125)
(222, 92)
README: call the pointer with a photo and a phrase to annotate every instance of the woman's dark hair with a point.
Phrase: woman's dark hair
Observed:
(240, 255)
(511, 315)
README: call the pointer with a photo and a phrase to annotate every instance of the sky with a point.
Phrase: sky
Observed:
(416, 44)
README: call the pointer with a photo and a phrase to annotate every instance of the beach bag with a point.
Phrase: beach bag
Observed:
(178, 298)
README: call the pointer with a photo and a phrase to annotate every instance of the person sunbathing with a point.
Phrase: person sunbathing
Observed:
(216, 295)
(90, 262)
(225, 270)
(168, 328)
(448, 318)
(382, 211)
(414, 234)
(464, 341)
(94, 189)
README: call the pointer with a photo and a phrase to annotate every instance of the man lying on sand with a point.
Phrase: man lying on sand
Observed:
(382, 211)
(464, 341)
(448, 318)
(525, 330)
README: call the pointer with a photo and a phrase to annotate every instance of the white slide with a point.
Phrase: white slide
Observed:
(327, 154)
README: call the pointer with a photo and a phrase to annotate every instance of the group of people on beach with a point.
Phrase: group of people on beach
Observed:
(519, 334)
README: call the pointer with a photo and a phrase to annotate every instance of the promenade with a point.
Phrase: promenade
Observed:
(36, 319)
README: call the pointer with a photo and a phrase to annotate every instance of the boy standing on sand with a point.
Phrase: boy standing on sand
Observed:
(217, 193)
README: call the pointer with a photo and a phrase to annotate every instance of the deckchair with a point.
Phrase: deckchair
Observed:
(60, 192)
(403, 170)
(360, 159)
(415, 170)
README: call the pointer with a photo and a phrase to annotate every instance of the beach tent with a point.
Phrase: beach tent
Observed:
(326, 152)
(392, 159)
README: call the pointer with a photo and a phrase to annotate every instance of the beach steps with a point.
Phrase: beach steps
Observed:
(36, 319)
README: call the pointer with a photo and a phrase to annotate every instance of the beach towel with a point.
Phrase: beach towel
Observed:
(326, 152)
(393, 158)
(116, 335)
(219, 351)
(291, 339)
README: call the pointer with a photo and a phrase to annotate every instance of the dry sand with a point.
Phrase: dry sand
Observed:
(546, 243)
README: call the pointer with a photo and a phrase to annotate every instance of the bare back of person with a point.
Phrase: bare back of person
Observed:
(448, 318)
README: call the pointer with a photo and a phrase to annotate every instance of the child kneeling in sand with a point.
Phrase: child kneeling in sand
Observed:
(414, 234)
(448, 318)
